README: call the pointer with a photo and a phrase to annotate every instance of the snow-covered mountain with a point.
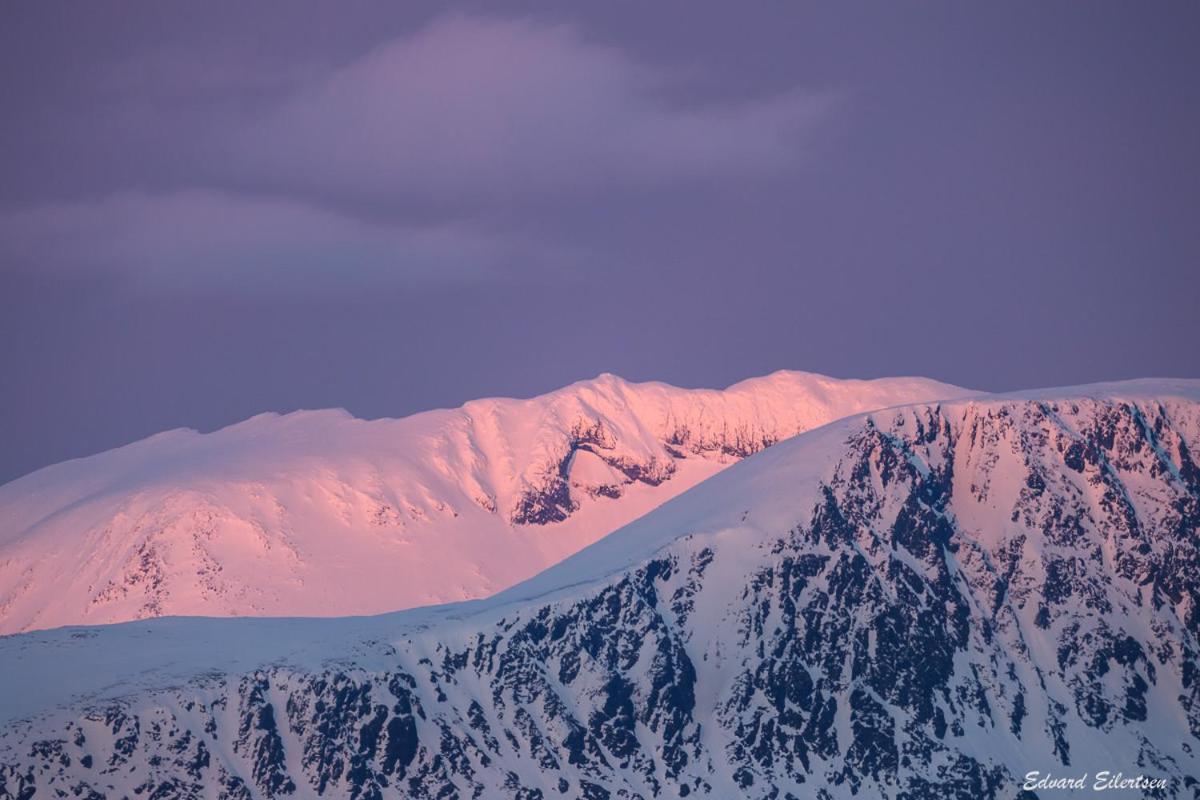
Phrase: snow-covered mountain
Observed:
(318, 513)
(923, 602)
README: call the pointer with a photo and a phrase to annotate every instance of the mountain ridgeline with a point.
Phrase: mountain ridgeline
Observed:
(923, 602)
(319, 513)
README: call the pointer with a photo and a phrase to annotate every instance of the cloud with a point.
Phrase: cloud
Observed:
(416, 162)
(473, 108)
(204, 239)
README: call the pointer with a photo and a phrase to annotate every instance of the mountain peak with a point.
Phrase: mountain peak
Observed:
(317, 512)
(983, 585)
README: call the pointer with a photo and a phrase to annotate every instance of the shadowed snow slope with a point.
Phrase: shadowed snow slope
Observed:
(920, 602)
(319, 513)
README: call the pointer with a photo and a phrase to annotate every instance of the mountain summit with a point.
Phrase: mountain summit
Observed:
(319, 513)
(922, 602)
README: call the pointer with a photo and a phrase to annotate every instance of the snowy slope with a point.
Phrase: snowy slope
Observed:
(921, 602)
(318, 513)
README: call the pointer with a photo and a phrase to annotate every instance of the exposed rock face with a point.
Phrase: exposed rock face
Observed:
(550, 500)
(927, 602)
(318, 513)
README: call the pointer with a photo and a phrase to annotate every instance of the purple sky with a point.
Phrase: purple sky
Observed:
(214, 209)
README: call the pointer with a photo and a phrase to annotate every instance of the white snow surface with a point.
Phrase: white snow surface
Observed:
(735, 513)
(317, 513)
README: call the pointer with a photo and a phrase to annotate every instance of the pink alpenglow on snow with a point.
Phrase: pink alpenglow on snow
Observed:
(317, 513)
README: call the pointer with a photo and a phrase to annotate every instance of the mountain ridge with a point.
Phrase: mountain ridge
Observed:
(926, 601)
(319, 512)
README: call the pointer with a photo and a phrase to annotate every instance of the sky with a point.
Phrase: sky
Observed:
(210, 210)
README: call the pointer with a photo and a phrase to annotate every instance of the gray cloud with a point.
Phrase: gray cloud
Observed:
(398, 166)
(472, 108)
(204, 239)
